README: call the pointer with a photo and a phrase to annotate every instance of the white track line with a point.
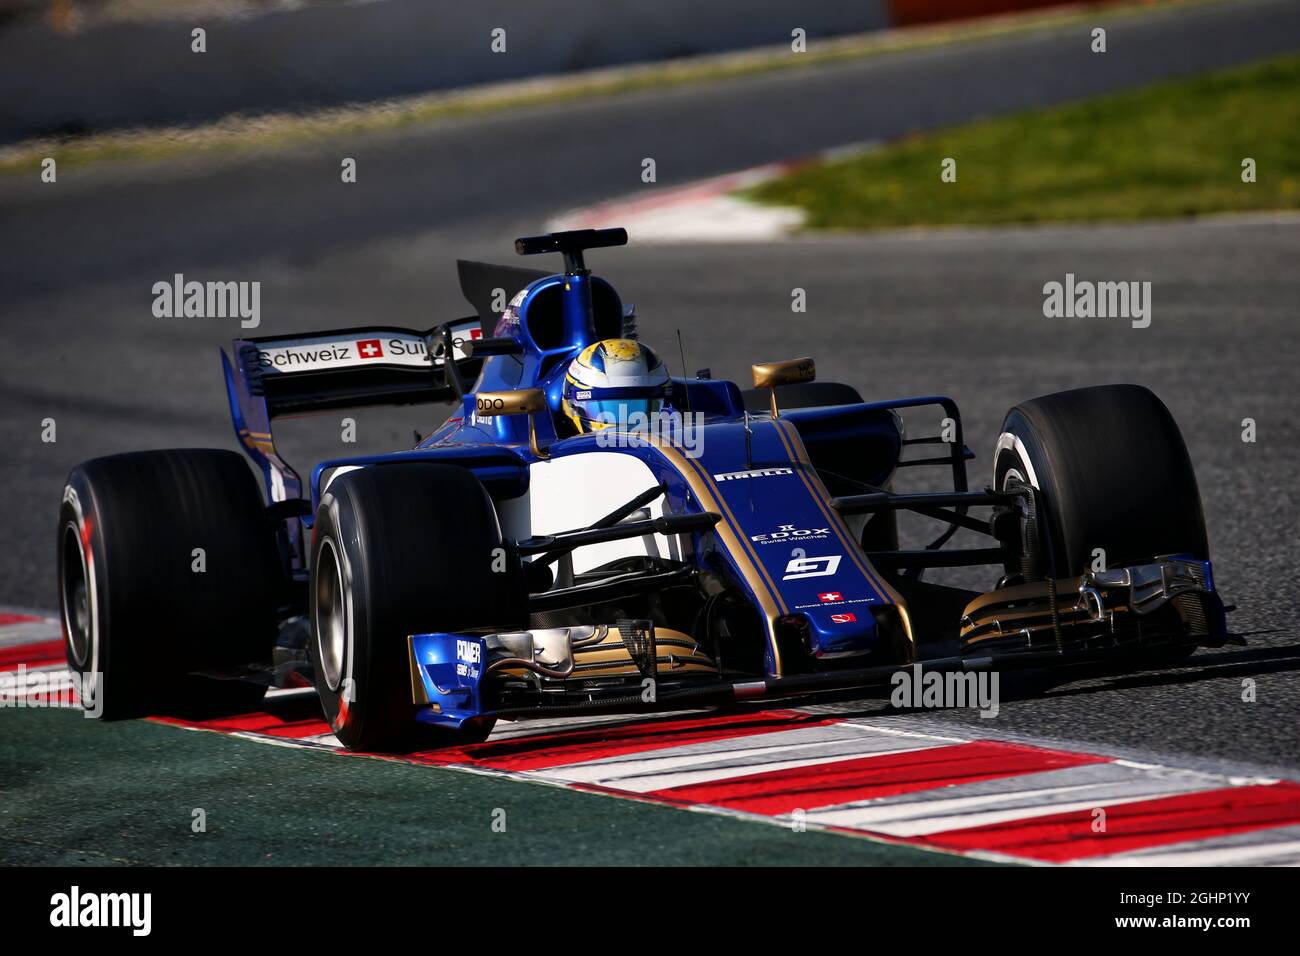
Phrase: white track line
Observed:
(1019, 797)
(45, 628)
(1276, 847)
(736, 757)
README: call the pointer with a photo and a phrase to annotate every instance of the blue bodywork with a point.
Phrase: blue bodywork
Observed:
(779, 542)
(451, 668)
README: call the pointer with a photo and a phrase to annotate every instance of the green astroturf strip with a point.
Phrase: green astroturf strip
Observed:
(77, 792)
(1169, 150)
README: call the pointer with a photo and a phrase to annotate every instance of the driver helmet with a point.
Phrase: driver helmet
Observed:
(611, 381)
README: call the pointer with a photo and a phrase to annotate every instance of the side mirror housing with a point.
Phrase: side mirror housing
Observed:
(790, 372)
(523, 401)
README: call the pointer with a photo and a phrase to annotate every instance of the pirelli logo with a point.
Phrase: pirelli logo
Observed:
(754, 473)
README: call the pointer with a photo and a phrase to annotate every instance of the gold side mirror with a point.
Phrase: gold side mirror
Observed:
(524, 401)
(789, 372)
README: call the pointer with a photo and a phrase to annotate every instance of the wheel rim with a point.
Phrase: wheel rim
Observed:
(1021, 468)
(75, 588)
(331, 615)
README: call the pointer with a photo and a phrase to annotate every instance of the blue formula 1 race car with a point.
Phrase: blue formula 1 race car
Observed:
(588, 534)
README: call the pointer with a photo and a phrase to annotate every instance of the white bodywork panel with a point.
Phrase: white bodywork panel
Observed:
(575, 491)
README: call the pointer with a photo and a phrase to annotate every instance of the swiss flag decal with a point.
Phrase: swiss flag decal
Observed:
(370, 348)
(830, 596)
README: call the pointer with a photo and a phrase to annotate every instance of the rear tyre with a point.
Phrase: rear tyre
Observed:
(397, 550)
(1113, 474)
(168, 564)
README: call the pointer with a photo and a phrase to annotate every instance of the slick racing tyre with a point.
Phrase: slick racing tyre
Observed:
(168, 565)
(1112, 473)
(402, 549)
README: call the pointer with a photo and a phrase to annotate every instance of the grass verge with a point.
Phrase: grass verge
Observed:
(1164, 151)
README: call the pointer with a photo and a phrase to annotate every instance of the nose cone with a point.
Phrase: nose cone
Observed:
(841, 628)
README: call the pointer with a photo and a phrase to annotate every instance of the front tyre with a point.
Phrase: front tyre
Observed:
(1113, 473)
(1115, 484)
(401, 549)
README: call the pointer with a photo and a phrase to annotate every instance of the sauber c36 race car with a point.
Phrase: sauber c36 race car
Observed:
(731, 544)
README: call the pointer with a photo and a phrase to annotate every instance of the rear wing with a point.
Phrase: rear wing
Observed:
(287, 375)
(273, 377)
(355, 368)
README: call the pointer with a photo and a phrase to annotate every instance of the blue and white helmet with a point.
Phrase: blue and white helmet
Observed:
(611, 381)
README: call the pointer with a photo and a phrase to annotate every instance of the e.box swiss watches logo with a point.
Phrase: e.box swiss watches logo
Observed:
(788, 532)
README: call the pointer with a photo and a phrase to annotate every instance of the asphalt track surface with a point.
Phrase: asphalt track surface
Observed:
(952, 312)
(486, 178)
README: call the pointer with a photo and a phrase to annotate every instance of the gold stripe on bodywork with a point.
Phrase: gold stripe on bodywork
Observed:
(750, 569)
(1035, 590)
(795, 448)
(745, 542)
(259, 440)
(419, 695)
(992, 606)
(615, 661)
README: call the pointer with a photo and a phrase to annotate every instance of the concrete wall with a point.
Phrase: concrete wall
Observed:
(143, 73)
(905, 12)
